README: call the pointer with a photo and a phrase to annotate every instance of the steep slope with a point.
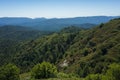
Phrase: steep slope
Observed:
(49, 48)
(93, 50)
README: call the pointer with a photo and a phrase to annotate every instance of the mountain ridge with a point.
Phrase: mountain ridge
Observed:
(54, 24)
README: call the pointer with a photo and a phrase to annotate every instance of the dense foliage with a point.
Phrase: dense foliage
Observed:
(44, 70)
(7, 50)
(113, 72)
(94, 77)
(93, 50)
(11, 36)
(20, 33)
(9, 72)
(49, 48)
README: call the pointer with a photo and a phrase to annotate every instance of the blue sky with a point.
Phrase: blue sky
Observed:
(58, 8)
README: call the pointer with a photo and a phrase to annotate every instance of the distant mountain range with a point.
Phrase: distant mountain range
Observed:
(54, 24)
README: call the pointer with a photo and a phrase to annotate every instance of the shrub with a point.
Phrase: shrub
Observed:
(44, 70)
(62, 75)
(93, 77)
(9, 72)
(113, 73)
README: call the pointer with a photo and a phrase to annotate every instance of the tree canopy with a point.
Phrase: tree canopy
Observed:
(44, 70)
(9, 72)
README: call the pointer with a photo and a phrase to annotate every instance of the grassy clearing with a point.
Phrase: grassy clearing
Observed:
(59, 79)
(64, 79)
(26, 76)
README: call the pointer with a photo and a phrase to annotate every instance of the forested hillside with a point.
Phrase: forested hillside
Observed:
(72, 50)
(12, 36)
(93, 50)
(20, 33)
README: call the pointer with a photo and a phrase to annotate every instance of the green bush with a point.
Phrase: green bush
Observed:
(9, 72)
(113, 73)
(93, 77)
(62, 75)
(44, 70)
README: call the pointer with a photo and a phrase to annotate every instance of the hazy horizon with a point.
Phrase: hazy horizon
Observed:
(58, 8)
(58, 17)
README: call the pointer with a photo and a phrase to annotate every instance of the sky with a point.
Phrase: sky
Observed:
(59, 8)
